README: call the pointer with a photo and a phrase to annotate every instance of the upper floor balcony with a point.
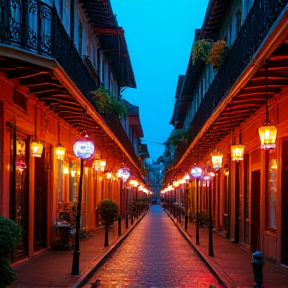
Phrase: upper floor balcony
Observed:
(261, 20)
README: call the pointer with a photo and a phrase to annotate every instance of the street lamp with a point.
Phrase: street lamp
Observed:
(123, 173)
(207, 177)
(196, 173)
(83, 149)
(187, 179)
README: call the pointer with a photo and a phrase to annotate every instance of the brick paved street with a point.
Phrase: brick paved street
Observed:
(155, 255)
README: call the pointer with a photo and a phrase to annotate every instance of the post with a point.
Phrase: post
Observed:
(120, 212)
(126, 210)
(197, 212)
(210, 220)
(76, 253)
(186, 207)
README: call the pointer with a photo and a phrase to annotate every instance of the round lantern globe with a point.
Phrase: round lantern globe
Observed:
(83, 149)
(196, 172)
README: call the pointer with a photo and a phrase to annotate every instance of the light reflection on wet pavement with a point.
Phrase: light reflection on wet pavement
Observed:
(155, 254)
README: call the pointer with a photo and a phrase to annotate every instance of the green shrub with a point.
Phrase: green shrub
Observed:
(108, 210)
(10, 235)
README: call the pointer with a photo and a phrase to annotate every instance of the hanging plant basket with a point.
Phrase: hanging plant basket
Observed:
(106, 104)
(217, 53)
(201, 50)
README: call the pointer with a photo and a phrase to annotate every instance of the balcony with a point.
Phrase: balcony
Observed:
(250, 38)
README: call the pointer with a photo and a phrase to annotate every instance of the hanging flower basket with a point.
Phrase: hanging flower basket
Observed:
(106, 104)
(217, 53)
(201, 50)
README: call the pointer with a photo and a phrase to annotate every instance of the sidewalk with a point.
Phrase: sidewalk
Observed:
(231, 263)
(52, 268)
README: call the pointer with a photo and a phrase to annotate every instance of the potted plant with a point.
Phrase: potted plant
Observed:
(106, 104)
(108, 210)
(201, 50)
(10, 235)
(217, 53)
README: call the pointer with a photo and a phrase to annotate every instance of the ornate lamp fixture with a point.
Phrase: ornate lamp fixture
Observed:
(36, 146)
(237, 150)
(60, 152)
(124, 173)
(196, 172)
(83, 149)
(216, 159)
(268, 132)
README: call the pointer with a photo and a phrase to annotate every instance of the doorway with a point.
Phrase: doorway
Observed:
(284, 201)
(255, 210)
(40, 218)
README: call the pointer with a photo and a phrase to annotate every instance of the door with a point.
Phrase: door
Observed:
(255, 210)
(284, 201)
(40, 219)
(19, 191)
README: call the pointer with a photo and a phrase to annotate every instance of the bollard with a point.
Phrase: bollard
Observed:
(257, 263)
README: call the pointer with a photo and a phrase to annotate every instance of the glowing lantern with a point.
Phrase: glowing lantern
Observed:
(267, 136)
(83, 149)
(237, 152)
(217, 159)
(60, 152)
(196, 172)
(123, 173)
(36, 149)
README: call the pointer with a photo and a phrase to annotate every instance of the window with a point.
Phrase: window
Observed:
(271, 196)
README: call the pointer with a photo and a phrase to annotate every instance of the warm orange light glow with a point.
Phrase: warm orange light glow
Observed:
(60, 152)
(237, 152)
(36, 149)
(217, 159)
(267, 136)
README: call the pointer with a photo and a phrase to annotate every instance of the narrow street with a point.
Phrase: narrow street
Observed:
(155, 254)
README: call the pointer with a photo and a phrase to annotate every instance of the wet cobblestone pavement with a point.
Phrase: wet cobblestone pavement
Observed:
(154, 255)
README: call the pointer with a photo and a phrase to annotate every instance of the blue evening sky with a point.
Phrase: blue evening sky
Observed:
(159, 36)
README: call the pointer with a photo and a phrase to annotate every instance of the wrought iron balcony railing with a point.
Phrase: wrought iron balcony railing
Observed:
(260, 19)
(41, 32)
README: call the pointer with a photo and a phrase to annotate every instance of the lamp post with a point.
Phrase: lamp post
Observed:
(196, 172)
(187, 179)
(123, 174)
(207, 178)
(84, 150)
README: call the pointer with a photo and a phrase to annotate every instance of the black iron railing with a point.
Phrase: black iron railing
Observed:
(260, 19)
(36, 27)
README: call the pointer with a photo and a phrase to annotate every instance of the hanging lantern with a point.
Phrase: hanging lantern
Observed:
(237, 152)
(196, 172)
(133, 183)
(108, 175)
(102, 164)
(267, 134)
(217, 159)
(83, 149)
(175, 184)
(60, 152)
(187, 178)
(36, 149)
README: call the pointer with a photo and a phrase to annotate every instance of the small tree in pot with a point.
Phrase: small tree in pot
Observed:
(10, 234)
(108, 210)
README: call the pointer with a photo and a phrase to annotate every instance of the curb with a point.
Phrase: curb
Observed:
(220, 275)
(102, 258)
